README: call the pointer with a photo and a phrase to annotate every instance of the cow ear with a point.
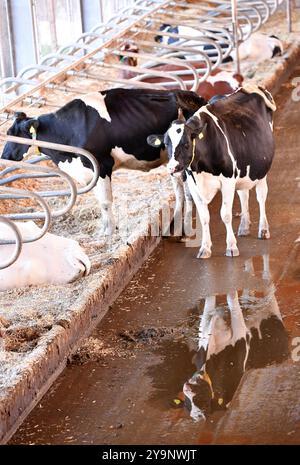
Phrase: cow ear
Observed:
(30, 123)
(20, 115)
(155, 141)
(181, 115)
(195, 126)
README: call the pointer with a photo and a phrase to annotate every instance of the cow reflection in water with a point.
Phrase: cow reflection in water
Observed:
(248, 334)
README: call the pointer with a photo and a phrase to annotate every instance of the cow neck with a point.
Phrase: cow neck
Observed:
(189, 171)
(50, 129)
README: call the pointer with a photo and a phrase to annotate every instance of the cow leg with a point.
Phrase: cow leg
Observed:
(103, 194)
(238, 325)
(266, 267)
(228, 190)
(206, 322)
(202, 209)
(188, 211)
(244, 227)
(179, 196)
(261, 195)
(249, 268)
(205, 249)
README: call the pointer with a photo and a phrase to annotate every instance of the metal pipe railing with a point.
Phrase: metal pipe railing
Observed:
(10, 193)
(59, 147)
(18, 241)
(255, 9)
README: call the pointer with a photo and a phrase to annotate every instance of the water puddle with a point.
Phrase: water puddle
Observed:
(228, 335)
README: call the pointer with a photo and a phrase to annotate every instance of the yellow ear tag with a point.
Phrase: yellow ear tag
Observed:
(32, 131)
(206, 378)
(201, 135)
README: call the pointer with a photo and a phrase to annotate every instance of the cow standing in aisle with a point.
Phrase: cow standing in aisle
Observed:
(113, 125)
(227, 145)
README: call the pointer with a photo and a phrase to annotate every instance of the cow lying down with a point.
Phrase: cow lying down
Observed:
(49, 260)
(225, 146)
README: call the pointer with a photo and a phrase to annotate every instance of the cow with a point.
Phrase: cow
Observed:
(230, 343)
(258, 47)
(219, 82)
(113, 125)
(192, 32)
(225, 146)
(50, 260)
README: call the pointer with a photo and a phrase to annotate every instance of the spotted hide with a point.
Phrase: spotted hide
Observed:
(225, 146)
(113, 125)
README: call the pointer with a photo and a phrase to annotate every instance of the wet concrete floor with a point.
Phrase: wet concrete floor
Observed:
(193, 351)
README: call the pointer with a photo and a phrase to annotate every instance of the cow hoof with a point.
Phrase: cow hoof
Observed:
(264, 234)
(106, 230)
(204, 253)
(233, 252)
(242, 232)
(103, 233)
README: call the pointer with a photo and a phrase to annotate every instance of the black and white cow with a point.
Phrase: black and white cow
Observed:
(227, 145)
(257, 48)
(113, 125)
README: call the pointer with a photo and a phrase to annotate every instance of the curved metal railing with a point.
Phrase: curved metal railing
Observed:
(33, 171)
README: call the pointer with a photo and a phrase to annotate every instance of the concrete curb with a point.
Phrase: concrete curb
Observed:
(282, 69)
(50, 358)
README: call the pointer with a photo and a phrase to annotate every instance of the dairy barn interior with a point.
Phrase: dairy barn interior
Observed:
(149, 225)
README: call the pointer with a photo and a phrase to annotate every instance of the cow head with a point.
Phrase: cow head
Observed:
(180, 142)
(129, 47)
(22, 127)
(198, 396)
(166, 39)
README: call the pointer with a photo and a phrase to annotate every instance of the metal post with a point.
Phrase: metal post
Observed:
(52, 23)
(235, 33)
(101, 11)
(34, 29)
(289, 14)
(6, 53)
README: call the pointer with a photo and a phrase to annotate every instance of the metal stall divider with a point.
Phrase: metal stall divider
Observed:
(18, 242)
(266, 8)
(37, 171)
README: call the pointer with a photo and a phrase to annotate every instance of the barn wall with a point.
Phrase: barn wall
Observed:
(30, 29)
